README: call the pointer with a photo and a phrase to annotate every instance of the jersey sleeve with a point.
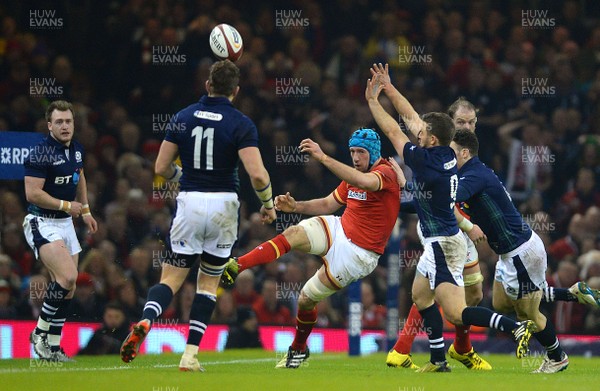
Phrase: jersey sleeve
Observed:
(341, 193)
(468, 186)
(246, 135)
(171, 135)
(414, 156)
(36, 164)
(387, 177)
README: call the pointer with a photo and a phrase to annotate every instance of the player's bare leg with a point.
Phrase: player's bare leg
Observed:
(462, 350)
(63, 270)
(556, 359)
(159, 297)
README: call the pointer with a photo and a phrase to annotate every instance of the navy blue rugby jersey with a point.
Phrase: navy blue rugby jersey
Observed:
(209, 134)
(60, 166)
(491, 207)
(433, 188)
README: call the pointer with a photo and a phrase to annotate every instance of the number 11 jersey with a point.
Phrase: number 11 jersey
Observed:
(209, 134)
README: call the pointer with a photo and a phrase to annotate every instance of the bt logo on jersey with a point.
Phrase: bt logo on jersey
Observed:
(62, 180)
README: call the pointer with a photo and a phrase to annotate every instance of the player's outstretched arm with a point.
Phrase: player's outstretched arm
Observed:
(409, 115)
(261, 182)
(320, 206)
(366, 181)
(386, 123)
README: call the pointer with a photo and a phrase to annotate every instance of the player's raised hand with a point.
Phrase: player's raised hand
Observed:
(285, 203)
(477, 235)
(267, 216)
(91, 223)
(381, 73)
(374, 88)
(399, 173)
(313, 149)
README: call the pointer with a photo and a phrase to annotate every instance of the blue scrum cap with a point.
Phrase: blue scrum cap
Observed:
(368, 139)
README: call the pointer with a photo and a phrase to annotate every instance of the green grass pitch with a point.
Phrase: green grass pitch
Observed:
(254, 370)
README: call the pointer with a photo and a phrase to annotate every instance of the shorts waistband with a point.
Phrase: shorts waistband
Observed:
(517, 250)
(209, 195)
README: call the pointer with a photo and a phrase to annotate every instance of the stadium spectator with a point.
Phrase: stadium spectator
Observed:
(373, 315)
(268, 308)
(244, 333)
(243, 291)
(86, 305)
(7, 307)
(107, 339)
(225, 309)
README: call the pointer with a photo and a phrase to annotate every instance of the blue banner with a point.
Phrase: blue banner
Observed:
(354, 318)
(14, 149)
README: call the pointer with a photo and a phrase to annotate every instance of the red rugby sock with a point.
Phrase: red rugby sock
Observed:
(409, 331)
(265, 252)
(462, 342)
(305, 321)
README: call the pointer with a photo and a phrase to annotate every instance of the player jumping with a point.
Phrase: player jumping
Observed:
(439, 271)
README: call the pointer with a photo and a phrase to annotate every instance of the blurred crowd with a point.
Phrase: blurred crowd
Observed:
(537, 90)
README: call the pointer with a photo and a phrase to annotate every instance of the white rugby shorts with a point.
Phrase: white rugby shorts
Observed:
(205, 222)
(345, 262)
(443, 259)
(523, 270)
(41, 230)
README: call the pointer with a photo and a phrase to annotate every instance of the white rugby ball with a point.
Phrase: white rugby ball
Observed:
(226, 42)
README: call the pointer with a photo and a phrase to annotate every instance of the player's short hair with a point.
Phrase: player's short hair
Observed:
(224, 77)
(441, 126)
(60, 105)
(461, 102)
(466, 139)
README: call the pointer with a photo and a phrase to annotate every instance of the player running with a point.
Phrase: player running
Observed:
(56, 190)
(521, 269)
(439, 271)
(350, 245)
(210, 137)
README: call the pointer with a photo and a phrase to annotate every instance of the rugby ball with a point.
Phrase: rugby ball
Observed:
(226, 42)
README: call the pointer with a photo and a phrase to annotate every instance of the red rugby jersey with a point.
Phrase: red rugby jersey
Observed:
(370, 215)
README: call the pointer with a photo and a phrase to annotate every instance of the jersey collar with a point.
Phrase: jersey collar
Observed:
(54, 142)
(469, 163)
(215, 100)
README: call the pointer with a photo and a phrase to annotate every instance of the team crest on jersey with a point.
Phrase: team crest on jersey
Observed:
(357, 195)
(450, 164)
(208, 115)
(78, 157)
